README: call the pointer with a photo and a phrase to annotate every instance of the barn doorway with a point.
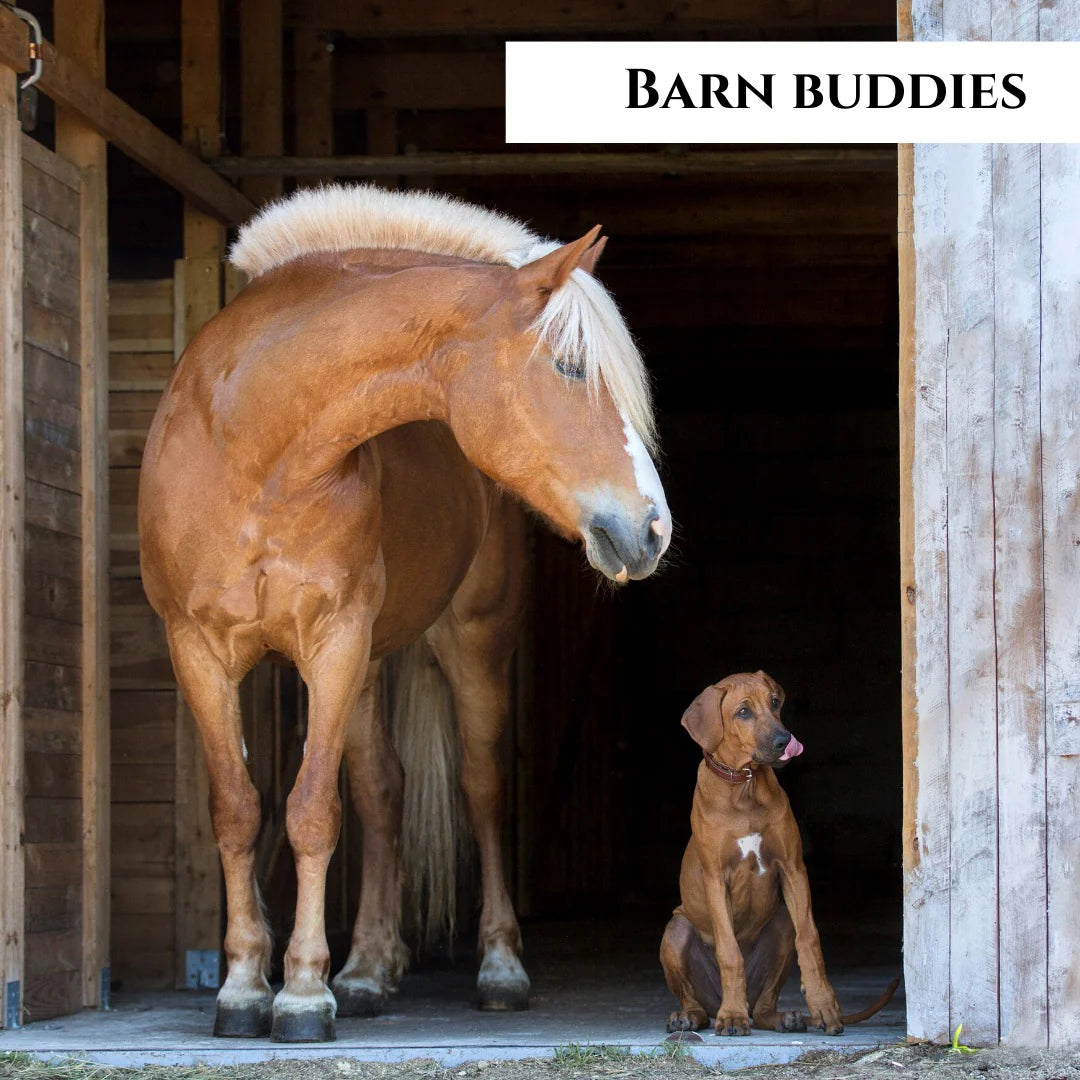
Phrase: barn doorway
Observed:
(770, 328)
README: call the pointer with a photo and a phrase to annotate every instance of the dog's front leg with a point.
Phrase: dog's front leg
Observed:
(734, 1016)
(820, 998)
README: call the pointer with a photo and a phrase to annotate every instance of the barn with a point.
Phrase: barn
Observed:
(865, 363)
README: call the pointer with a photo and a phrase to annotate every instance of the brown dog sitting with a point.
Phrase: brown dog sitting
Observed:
(729, 946)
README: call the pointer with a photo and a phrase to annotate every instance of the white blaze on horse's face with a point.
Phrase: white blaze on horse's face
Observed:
(648, 483)
(626, 531)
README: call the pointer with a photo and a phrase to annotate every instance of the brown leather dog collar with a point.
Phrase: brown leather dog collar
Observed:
(726, 772)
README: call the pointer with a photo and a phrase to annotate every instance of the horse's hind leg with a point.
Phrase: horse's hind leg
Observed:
(378, 955)
(474, 641)
(244, 1001)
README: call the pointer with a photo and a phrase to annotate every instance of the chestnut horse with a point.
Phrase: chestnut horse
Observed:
(329, 476)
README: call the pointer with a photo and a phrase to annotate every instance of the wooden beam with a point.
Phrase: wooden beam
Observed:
(1018, 595)
(909, 717)
(261, 123)
(198, 891)
(671, 18)
(313, 96)
(927, 940)
(420, 80)
(658, 163)
(72, 87)
(200, 105)
(80, 31)
(1059, 390)
(12, 529)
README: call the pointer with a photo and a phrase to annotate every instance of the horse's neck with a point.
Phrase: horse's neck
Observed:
(347, 367)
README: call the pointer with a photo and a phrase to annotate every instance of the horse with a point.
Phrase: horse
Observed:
(337, 468)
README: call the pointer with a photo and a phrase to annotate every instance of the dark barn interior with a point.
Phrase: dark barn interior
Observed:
(763, 294)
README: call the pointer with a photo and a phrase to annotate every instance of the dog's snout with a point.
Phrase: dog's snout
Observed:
(781, 739)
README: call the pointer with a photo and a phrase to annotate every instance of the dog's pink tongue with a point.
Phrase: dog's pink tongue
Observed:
(793, 749)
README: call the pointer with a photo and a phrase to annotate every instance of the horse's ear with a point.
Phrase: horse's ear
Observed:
(548, 273)
(704, 720)
(592, 256)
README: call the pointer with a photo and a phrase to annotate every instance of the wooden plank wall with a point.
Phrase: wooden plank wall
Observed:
(79, 28)
(12, 534)
(991, 905)
(53, 828)
(141, 333)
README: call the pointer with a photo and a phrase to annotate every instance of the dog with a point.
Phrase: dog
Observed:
(745, 897)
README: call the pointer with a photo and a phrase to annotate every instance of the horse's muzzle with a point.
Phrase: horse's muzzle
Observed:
(625, 550)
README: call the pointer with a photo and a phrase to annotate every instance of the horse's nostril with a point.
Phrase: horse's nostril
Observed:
(782, 740)
(654, 535)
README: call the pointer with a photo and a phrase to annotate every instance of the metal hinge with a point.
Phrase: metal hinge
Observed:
(202, 969)
(34, 49)
(13, 1005)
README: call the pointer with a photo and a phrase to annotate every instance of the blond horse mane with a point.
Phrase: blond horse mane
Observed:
(580, 324)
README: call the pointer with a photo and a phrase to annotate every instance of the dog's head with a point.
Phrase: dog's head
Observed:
(737, 720)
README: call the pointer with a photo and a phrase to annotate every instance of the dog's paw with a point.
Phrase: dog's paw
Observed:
(690, 1020)
(825, 1012)
(827, 1021)
(791, 1021)
(732, 1024)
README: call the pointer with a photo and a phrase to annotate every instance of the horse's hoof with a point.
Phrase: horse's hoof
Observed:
(361, 997)
(502, 985)
(504, 999)
(308, 1026)
(250, 1021)
(304, 1017)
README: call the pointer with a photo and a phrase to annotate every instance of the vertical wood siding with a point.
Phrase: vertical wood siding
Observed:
(52, 632)
(991, 894)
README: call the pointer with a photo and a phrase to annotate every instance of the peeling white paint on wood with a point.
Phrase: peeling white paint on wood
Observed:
(992, 894)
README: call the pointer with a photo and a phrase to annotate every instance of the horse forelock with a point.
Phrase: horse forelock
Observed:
(581, 324)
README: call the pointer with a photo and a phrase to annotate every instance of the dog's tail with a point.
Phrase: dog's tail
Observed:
(870, 1010)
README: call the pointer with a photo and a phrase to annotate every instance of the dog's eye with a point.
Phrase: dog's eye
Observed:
(776, 703)
(743, 713)
(570, 369)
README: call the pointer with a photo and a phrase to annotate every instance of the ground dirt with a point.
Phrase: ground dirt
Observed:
(602, 1063)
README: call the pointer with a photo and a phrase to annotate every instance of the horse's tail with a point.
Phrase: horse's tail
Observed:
(417, 701)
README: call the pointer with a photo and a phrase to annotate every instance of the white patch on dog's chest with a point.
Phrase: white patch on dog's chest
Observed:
(751, 845)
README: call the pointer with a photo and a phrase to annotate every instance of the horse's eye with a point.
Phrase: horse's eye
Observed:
(574, 370)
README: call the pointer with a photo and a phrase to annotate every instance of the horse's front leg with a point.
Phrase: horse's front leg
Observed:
(304, 1008)
(378, 956)
(245, 999)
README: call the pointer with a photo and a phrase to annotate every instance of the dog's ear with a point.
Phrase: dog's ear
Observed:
(704, 720)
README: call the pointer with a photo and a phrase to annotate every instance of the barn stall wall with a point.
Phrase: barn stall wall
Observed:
(54, 674)
(54, 869)
(991, 465)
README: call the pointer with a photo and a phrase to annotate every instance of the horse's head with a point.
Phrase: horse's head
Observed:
(553, 403)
